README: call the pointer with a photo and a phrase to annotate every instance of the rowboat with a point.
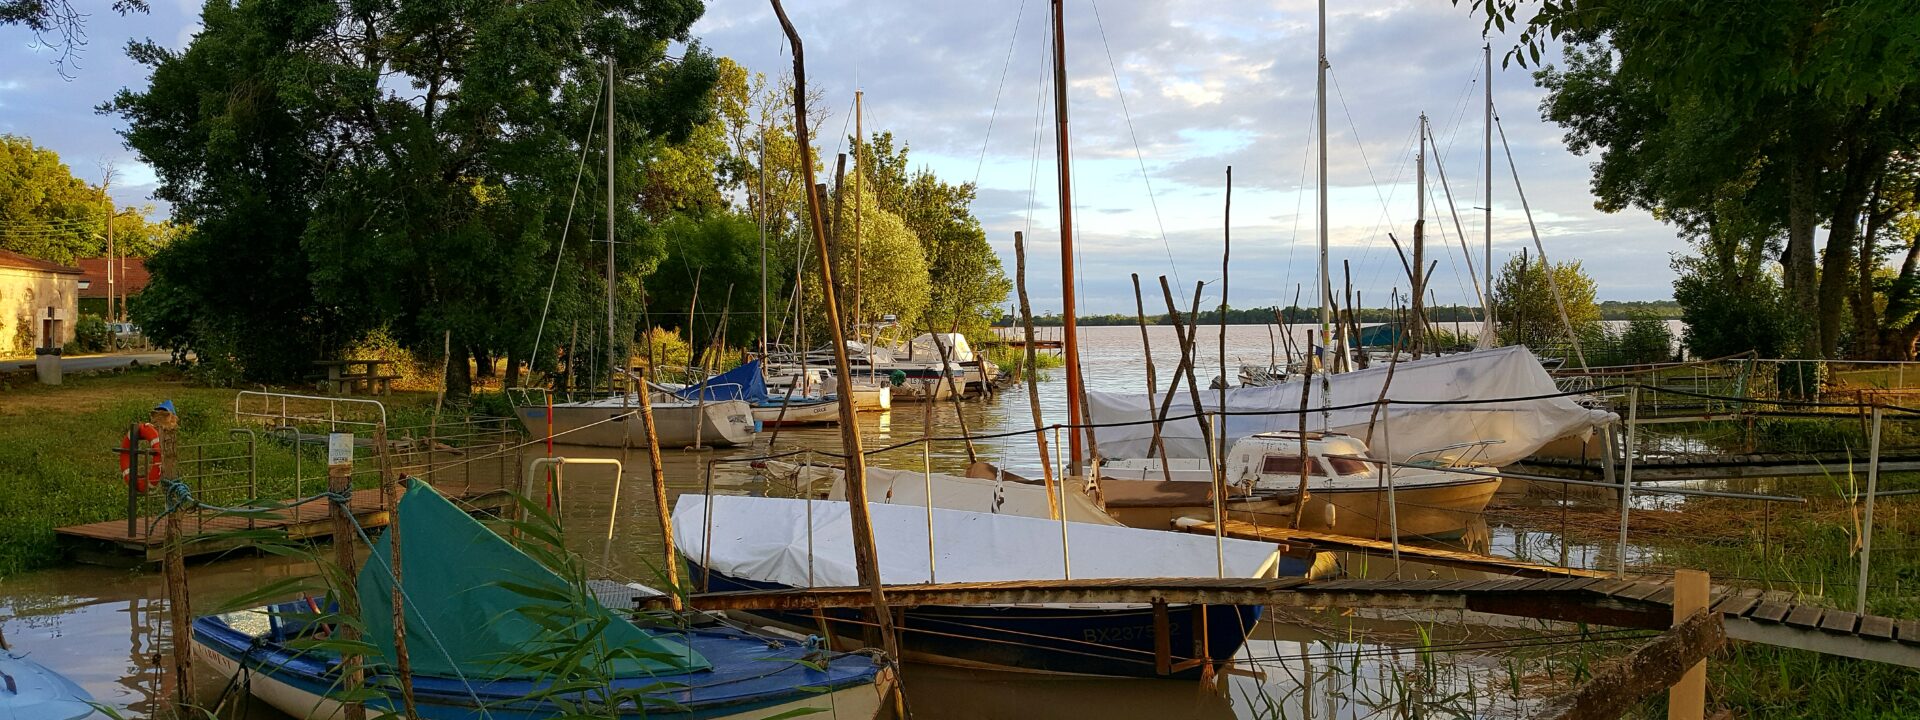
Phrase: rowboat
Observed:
(31, 690)
(481, 638)
(760, 543)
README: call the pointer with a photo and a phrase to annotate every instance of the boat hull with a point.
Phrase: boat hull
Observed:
(1439, 511)
(1083, 639)
(299, 686)
(720, 423)
(799, 412)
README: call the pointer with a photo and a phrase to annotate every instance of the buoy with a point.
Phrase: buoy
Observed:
(151, 436)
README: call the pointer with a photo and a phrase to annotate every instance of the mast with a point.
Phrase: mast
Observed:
(1072, 336)
(613, 362)
(1320, 102)
(761, 217)
(859, 168)
(1486, 298)
(1419, 280)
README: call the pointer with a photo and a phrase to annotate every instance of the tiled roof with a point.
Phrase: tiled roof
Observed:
(21, 262)
(132, 272)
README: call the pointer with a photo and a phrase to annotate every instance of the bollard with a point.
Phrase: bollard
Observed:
(179, 602)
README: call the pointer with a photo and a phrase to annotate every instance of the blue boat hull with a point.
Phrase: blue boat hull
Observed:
(749, 679)
(1106, 640)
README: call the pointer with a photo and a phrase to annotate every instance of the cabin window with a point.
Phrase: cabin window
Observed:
(1348, 466)
(1286, 465)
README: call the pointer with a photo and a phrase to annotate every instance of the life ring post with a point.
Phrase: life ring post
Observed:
(130, 457)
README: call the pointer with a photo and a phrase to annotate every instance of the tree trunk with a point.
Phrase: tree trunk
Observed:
(1866, 314)
(1843, 229)
(459, 373)
(513, 369)
(483, 363)
(1799, 278)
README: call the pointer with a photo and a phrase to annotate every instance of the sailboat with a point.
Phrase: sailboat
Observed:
(479, 612)
(747, 383)
(614, 420)
(760, 543)
(32, 690)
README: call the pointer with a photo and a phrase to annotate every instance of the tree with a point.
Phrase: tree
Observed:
(45, 211)
(405, 164)
(972, 284)
(1792, 109)
(59, 18)
(1727, 313)
(1645, 340)
(1524, 303)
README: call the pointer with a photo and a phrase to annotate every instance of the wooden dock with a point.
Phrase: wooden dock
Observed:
(1747, 614)
(1305, 539)
(1722, 467)
(108, 543)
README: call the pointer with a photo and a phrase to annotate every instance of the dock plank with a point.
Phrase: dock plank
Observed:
(1735, 605)
(1806, 616)
(1876, 627)
(1772, 612)
(1838, 621)
(1908, 631)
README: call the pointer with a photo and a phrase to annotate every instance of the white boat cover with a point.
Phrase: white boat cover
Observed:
(955, 492)
(926, 349)
(1521, 426)
(767, 540)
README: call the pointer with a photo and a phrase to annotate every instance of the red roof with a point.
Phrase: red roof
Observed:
(21, 262)
(132, 272)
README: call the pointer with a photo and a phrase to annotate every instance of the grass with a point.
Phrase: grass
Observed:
(58, 468)
(1013, 361)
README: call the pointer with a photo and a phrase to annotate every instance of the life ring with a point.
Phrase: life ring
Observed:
(151, 436)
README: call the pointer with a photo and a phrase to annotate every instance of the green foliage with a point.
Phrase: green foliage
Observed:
(1728, 315)
(1525, 305)
(1645, 340)
(91, 334)
(403, 164)
(722, 251)
(45, 211)
(972, 284)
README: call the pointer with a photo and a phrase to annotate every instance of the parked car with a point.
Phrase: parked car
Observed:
(127, 335)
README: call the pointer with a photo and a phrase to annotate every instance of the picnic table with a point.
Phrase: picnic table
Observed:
(356, 377)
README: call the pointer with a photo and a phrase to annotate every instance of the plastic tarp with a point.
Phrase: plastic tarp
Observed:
(472, 601)
(742, 383)
(767, 540)
(954, 492)
(1466, 385)
(925, 349)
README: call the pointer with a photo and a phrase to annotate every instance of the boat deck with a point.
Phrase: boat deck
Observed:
(1306, 539)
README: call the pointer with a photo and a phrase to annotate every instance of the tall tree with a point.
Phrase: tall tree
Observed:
(408, 162)
(1525, 304)
(45, 211)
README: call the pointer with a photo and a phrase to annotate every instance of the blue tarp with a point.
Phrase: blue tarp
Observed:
(742, 383)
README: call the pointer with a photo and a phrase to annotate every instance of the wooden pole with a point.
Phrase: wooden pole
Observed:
(865, 559)
(953, 388)
(1687, 699)
(1306, 388)
(1146, 343)
(179, 600)
(1033, 383)
(390, 500)
(1075, 415)
(1193, 387)
(1417, 342)
(340, 481)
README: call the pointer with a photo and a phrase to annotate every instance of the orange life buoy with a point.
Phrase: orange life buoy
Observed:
(151, 437)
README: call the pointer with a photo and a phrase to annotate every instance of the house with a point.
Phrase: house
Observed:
(39, 300)
(131, 279)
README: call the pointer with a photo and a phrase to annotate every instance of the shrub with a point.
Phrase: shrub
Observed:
(91, 334)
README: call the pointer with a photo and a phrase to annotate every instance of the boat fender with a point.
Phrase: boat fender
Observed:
(144, 433)
(898, 377)
(1332, 513)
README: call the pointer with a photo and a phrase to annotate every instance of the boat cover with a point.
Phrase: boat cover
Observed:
(767, 540)
(1457, 381)
(925, 348)
(954, 492)
(474, 601)
(742, 383)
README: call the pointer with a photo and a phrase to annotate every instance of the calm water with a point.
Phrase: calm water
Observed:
(103, 627)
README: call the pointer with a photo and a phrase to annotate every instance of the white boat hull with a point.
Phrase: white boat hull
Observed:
(718, 423)
(808, 412)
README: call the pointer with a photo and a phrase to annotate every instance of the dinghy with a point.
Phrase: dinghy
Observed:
(31, 691)
(478, 610)
(760, 543)
(748, 384)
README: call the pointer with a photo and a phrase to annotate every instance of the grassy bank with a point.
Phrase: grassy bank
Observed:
(1013, 361)
(57, 467)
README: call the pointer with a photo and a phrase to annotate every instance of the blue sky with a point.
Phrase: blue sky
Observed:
(1178, 89)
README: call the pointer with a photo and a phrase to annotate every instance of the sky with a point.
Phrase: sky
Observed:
(1163, 96)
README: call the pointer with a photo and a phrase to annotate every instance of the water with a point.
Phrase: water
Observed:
(103, 627)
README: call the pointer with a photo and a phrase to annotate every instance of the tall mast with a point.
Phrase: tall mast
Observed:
(761, 216)
(1418, 322)
(1486, 298)
(613, 361)
(1320, 101)
(859, 168)
(1072, 338)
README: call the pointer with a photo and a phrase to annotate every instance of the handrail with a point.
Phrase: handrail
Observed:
(559, 464)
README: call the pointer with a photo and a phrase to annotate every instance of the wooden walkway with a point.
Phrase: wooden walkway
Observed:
(1721, 467)
(108, 543)
(1598, 601)
(1452, 558)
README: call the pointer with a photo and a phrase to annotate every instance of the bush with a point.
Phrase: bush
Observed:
(91, 334)
(1646, 340)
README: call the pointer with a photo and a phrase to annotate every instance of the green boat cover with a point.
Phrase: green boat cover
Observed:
(479, 608)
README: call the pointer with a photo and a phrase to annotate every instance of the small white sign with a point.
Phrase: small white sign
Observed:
(339, 449)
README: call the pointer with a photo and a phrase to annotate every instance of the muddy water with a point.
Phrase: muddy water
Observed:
(104, 627)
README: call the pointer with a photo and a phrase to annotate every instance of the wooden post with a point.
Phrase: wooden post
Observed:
(1033, 383)
(179, 601)
(1687, 699)
(866, 560)
(1306, 387)
(340, 480)
(390, 499)
(1146, 343)
(136, 470)
(1866, 534)
(1193, 387)
(1069, 320)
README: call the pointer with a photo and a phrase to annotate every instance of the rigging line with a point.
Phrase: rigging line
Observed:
(1012, 42)
(1138, 155)
(1393, 191)
(1299, 197)
(1039, 118)
(561, 250)
(1386, 215)
(1453, 263)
